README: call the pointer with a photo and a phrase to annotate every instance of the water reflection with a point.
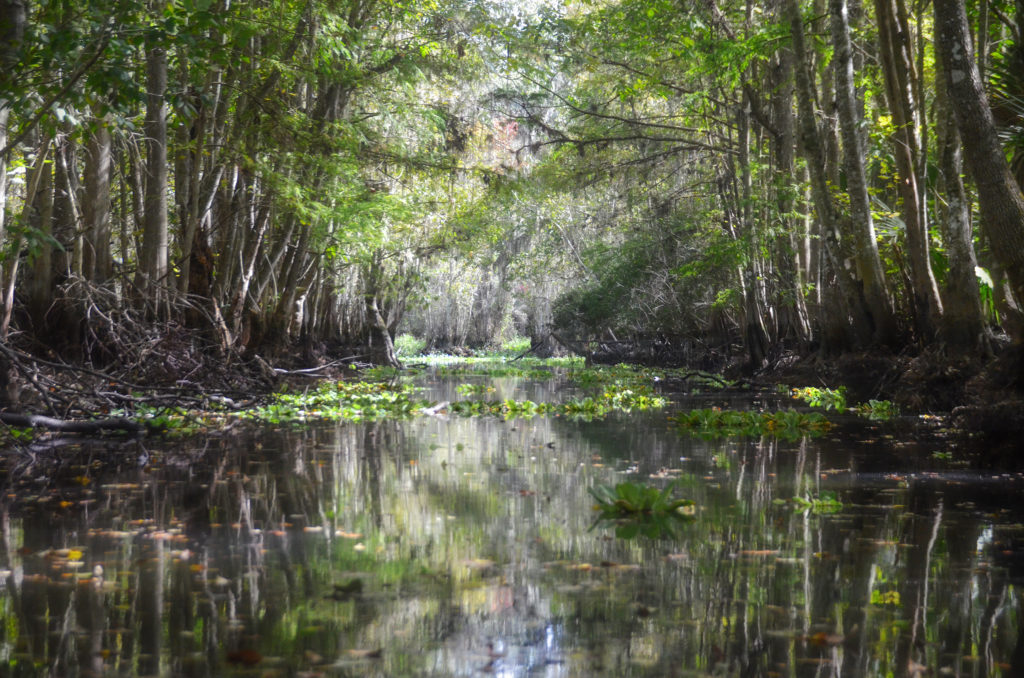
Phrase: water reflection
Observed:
(462, 546)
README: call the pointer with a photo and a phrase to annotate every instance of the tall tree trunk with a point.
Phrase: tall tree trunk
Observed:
(39, 218)
(67, 259)
(963, 320)
(868, 263)
(12, 34)
(855, 318)
(97, 264)
(154, 264)
(794, 260)
(382, 349)
(999, 195)
(900, 80)
(755, 334)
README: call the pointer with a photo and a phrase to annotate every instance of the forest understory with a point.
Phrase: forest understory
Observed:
(137, 363)
(199, 200)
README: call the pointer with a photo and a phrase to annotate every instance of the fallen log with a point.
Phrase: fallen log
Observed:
(65, 426)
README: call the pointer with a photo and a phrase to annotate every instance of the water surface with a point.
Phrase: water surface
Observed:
(463, 547)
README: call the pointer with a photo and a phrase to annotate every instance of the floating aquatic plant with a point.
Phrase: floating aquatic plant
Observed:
(787, 424)
(634, 509)
(878, 410)
(827, 398)
(826, 502)
(473, 389)
(342, 400)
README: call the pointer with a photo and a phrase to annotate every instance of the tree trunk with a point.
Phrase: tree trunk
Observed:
(868, 263)
(154, 264)
(855, 317)
(999, 196)
(794, 261)
(97, 264)
(900, 79)
(963, 322)
(382, 349)
(39, 218)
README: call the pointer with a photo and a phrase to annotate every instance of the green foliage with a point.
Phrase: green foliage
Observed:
(827, 398)
(878, 410)
(988, 299)
(634, 509)
(516, 345)
(354, 401)
(786, 424)
(610, 400)
(835, 399)
(495, 370)
(826, 502)
(885, 598)
(473, 389)
(176, 421)
(407, 345)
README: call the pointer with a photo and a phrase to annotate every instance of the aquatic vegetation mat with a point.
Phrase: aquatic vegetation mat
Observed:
(835, 399)
(349, 400)
(357, 401)
(786, 424)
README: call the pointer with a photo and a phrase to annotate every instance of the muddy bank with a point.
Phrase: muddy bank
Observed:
(979, 393)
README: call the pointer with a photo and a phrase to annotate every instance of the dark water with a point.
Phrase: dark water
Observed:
(459, 547)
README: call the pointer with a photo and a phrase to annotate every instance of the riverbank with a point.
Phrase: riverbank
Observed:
(980, 394)
(179, 369)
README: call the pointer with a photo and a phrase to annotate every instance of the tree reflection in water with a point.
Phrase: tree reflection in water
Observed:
(450, 547)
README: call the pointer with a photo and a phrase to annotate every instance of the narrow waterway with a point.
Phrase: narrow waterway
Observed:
(446, 546)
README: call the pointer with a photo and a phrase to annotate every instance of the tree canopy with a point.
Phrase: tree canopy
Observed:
(731, 178)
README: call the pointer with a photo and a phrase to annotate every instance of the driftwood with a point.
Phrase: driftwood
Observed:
(68, 426)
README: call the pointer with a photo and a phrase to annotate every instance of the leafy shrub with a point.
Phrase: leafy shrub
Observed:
(407, 345)
(516, 345)
(828, 398)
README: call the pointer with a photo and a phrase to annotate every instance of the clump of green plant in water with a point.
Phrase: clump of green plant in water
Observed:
(170, 420)
(636, 374)
(835, 399)
(786, 424)
(612, 399)
(495, 370)
(473, 389)
(506, 409)
(827, 398)
(878, 410)
(342, 400)
(380, 373)
(826, 502)
(634, 509)
(628, 397)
